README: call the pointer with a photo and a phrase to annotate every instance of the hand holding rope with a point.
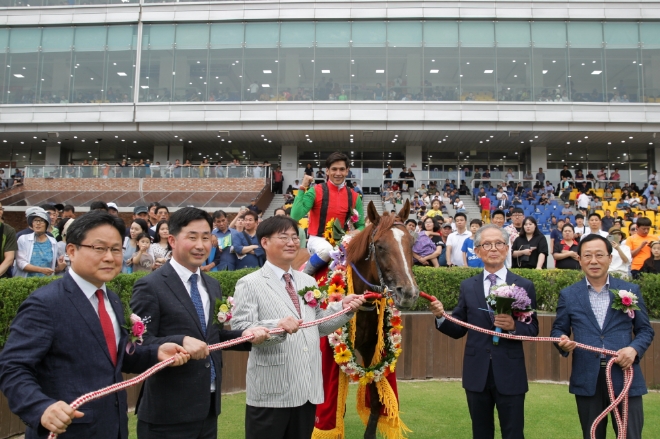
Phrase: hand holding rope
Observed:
(621, 418)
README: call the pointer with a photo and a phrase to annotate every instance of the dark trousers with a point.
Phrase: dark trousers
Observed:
(204, 429)
(510, 411)
(589, 407)
(280, 423)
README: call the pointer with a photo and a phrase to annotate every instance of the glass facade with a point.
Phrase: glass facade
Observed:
(353, 60)
(63, 65)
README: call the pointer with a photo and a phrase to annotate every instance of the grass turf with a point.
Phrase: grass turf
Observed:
(434, 409)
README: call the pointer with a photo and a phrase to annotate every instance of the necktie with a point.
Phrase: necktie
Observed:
(292, 292)
(199, 307)
(108, 329)
(493, 281)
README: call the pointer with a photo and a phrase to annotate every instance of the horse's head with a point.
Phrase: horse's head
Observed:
(387, 245)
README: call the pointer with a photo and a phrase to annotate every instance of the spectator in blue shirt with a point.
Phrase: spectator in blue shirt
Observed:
(470, 258)
(224, 235)
(247, 247)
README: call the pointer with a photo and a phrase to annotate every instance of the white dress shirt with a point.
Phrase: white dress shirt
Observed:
(89, 290)
(185, 274)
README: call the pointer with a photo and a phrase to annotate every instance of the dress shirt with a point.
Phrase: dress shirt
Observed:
(185, 274)
(89, 290)
(279, 272)
(600, 301)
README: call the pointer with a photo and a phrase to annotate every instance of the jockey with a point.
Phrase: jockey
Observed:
(324, 202)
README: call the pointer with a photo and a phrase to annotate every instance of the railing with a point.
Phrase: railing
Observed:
(153, 171)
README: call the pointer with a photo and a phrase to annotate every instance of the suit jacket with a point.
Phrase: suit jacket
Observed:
(508, 358)
(574, 313)
(286, 370)
(179, 394)
(56, 351)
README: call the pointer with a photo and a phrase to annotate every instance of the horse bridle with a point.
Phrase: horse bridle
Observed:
(382, 288)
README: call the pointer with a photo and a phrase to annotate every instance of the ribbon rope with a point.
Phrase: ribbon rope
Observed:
(91, 396)
(621, 419)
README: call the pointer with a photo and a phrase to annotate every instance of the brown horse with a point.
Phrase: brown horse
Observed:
(384, 246)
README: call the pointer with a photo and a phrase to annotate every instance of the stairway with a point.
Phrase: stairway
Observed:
(275, 203)
(472, 209)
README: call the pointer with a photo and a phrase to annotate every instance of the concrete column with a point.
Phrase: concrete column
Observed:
(290, 164)
(539, 158)
(53, 154)
(654, 159)
(161, 154)
(176, 152)
(414, 162)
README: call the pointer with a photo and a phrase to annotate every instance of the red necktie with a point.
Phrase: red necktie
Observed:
(108, 329)
(292, 292)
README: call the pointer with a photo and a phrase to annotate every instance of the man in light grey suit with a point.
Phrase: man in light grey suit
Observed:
(284, 379)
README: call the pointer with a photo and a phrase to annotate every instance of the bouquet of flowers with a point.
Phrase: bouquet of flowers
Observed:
(222, 312)
(512, 300)
(136, 327)
(625, 301)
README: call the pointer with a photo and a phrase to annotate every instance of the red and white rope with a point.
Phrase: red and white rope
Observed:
(621, 419)
(97, 394)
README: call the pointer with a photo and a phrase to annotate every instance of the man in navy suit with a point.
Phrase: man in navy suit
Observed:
(586, 309)
(492, 375)
(67, 339)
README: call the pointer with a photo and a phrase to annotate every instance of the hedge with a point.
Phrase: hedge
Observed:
(442, 283)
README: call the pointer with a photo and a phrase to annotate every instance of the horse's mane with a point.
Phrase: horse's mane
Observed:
(359, 246)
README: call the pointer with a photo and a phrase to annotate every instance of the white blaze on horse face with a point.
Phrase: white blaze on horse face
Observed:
(398, 234)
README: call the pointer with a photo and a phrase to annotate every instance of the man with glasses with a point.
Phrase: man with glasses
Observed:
(585, 309)
(278, 406)
(493, 375)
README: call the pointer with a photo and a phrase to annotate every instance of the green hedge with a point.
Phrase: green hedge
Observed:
(442, 283)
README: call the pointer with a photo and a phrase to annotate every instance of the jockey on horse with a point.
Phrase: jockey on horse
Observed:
(324, 202)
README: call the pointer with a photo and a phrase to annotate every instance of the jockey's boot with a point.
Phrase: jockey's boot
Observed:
(315, 263)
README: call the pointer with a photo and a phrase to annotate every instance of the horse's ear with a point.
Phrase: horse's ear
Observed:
(372, 213)
(405, 211)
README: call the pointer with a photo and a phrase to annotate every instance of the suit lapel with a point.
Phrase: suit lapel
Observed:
(275, 285)
(86, 311)
(173, 281)
(610, 310)
(583, 297)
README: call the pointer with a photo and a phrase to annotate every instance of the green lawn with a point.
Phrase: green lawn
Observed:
(434, 409)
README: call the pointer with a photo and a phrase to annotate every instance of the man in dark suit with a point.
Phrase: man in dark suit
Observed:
(67, 339)
(180, 300)
(492, 375)
(585, 308)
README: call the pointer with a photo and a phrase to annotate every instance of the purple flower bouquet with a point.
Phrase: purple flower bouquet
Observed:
(512, 300)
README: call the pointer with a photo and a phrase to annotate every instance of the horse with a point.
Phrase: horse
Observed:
(382, 256)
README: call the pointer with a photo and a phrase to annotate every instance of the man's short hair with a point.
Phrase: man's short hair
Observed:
(69, 208)
(336, 157)
(276, 224)
(182, 217)
(48, 206)
(594, 237)
(408, 221)
(498, 212)
(579, 215)
(219, 214)
(518, 210)
(460, 214)
(477, 222)
(98, 205)
(644, 222)
(77, 231)
(594, 214)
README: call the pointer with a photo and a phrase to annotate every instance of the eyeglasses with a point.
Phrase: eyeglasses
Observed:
(39, 221)
(286, 239)
(499, 245)
(598, 256)
(101, 249)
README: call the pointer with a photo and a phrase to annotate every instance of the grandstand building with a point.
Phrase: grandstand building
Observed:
(443, 88)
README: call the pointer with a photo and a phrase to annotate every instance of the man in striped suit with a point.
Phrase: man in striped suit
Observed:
(284, 379)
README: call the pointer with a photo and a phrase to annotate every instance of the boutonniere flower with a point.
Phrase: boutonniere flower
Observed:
(312, 296)
(136, 327)
(625, 301)
(223, 310)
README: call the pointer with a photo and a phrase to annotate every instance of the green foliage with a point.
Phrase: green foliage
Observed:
(443, 283)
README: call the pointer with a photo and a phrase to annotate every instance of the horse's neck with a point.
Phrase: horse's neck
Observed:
(368, 271)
